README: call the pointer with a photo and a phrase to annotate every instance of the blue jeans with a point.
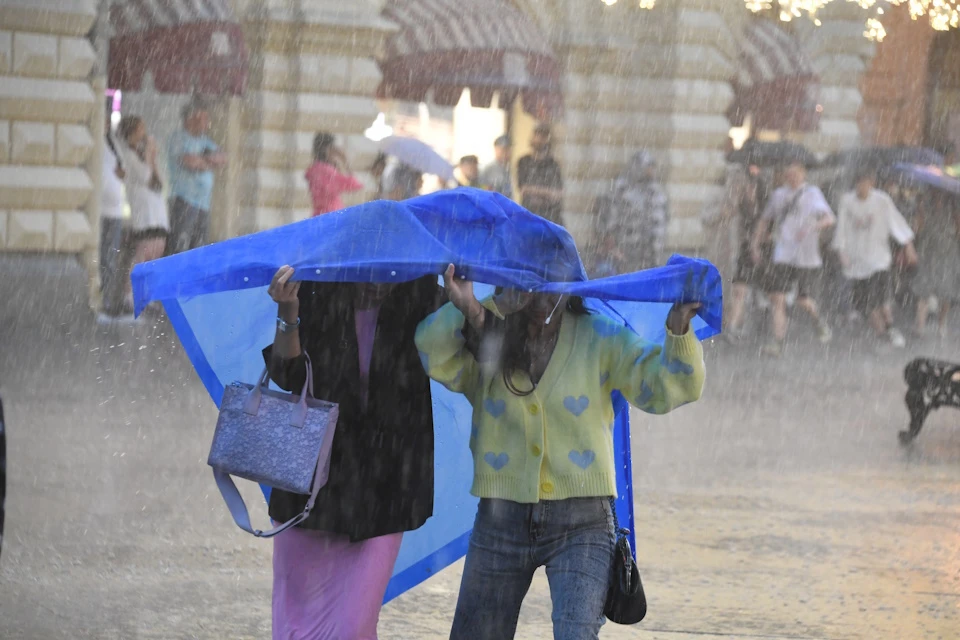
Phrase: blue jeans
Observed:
(572, 538)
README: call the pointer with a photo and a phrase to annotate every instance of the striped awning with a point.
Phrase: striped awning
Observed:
(776, 82)
(186, 45)
(487, 46)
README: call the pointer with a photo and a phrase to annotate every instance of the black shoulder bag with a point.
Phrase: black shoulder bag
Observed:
(626, 603)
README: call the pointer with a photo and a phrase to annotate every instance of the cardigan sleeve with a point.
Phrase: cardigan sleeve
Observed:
(443, 351)
(655, 378)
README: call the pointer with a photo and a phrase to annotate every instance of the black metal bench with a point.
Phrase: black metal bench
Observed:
(931, 384)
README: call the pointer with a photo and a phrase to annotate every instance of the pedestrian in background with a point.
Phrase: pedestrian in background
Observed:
(467, 172)
(377, 167)
(540, 179)
(401, 182)
(192, 158)
(149, 223)
(938, 272)
(633, 221)
(748, 202)
(111, 225)
(496, 176)
(329, 176)
(866, 221)
(797, 213)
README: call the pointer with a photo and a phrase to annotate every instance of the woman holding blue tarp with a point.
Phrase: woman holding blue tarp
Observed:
(331, 571)
(539, 371)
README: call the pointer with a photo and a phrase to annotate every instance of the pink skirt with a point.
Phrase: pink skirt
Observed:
(326, 587)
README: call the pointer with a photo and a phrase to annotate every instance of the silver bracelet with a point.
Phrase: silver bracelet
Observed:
(286, 327)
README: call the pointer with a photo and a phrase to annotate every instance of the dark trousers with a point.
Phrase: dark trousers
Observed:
(111, 237)
(188, 227)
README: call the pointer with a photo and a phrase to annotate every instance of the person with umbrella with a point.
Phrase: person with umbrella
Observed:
(938, 274)
(796, 213)
(866, 221)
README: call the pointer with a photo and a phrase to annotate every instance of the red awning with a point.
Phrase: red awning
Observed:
(187, 45)
(487, 46)
(775, 82)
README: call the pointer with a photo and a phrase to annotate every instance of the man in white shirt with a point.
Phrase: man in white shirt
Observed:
(797, 213)
(867, 219)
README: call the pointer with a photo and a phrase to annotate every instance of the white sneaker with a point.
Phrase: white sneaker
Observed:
(896, 338)
(824, 332)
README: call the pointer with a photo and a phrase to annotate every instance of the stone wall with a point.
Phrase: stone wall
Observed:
(312, 69)
(655, 80)
(47, 104)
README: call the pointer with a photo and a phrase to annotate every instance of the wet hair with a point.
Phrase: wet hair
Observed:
(127, 125)
(865, 172)
(380, 162)
(321, 145)
(514, 354)
(193, 106)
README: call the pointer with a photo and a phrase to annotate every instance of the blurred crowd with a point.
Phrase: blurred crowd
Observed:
(866, 242)
(855, 243)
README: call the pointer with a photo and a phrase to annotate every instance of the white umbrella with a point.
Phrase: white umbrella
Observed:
(418, 155)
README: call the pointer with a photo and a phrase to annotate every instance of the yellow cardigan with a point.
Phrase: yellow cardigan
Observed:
(557, 443)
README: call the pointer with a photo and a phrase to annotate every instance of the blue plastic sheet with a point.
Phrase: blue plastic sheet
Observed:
(216, 300)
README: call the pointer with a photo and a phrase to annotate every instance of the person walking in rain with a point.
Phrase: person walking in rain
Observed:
(192, 157)
(329, 176)
(496, 176)
(467, 172)
(797, 213)
(633, 220)
(539, 371)
(540, 179)
(748, 202)
(331, 571)
(866, 221)
(938, 273)
(111, 228)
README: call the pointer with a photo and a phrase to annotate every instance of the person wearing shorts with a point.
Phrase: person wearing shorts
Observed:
(798, 213)
(866, 221)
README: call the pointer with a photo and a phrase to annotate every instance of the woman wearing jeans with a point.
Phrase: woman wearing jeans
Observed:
(539, 371)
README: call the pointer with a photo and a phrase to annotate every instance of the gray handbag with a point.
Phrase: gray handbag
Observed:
(275, 438)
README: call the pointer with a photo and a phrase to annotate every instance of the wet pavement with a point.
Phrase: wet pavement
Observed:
(780, 506)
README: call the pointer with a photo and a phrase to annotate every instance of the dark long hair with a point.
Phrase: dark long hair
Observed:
(321, 145)
(514, 352)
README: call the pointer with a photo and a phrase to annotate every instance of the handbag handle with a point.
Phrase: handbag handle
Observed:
(251, 405)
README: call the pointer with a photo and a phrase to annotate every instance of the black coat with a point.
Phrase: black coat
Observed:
(381, 464)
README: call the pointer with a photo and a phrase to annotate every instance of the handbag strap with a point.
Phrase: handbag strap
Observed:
(621, 533)
(238, 509)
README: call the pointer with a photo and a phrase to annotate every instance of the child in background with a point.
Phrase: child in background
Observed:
(329, 176)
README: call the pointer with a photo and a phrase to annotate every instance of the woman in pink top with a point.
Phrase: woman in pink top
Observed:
(329, 176)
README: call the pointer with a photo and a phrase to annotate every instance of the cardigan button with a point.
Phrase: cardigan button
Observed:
(534, 409)
(547, 487)
(535, 450)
